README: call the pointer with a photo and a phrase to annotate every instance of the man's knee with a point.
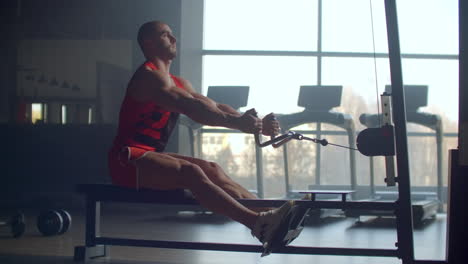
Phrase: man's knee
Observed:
(193, 175)
(213, 169)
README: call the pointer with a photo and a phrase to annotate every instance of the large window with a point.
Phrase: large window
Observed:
(349, 26)
(273, 80)
(428, 26)
(276, 46)
(260, 25)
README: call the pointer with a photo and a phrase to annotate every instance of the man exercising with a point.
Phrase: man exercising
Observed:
(149, 111)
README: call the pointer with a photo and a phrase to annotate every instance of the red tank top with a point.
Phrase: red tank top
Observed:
(145, 124)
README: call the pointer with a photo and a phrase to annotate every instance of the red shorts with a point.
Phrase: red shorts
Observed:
(122, 167)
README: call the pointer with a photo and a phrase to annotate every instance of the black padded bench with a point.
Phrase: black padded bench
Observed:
(113, 193)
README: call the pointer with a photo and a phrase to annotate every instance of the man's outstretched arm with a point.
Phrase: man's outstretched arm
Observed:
(270, 125)
(196, 106)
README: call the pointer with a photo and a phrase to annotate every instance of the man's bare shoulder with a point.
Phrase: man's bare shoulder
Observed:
(144, 73)
(186, 83)
(144, 82)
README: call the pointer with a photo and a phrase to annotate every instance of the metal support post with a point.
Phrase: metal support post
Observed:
(405, 242)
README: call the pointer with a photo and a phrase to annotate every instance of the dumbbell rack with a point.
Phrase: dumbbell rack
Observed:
(49, 223)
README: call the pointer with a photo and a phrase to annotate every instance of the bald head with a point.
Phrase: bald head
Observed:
(147, 30)
(157, 40)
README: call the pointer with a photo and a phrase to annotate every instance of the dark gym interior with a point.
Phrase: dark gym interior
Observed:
(45, 158)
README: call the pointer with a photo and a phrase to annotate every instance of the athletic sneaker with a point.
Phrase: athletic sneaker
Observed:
(269, 222)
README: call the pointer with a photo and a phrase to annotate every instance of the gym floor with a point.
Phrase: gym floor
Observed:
(153, 222)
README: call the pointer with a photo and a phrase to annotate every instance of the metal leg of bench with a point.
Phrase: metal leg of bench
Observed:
(83, 253)
(93, 226)
(93, 221)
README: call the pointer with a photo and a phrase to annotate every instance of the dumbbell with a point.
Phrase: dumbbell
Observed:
(15, 224)
(54, 222)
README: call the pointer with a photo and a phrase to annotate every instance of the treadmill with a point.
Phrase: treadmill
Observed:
(425, 204)
(318, 102)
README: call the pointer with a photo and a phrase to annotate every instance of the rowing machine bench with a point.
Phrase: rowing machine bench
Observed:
(95, 245)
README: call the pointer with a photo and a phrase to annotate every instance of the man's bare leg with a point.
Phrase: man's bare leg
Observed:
(217, 175)
(164, 172)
